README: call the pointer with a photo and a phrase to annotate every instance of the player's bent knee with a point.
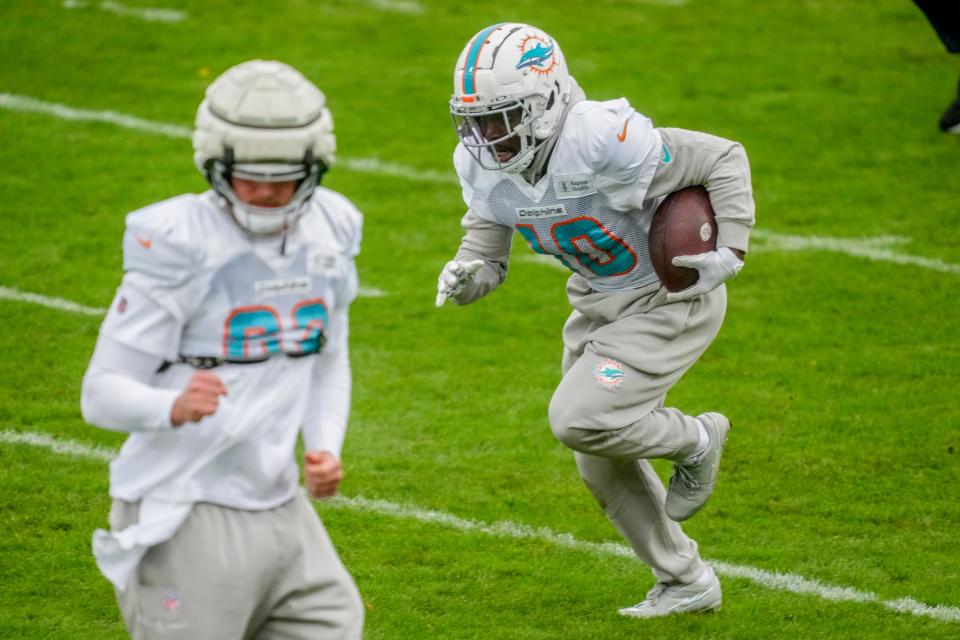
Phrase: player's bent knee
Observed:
(562, 419)
(569, 424)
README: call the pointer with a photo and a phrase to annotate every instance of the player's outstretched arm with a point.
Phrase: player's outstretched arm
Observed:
(454, 278)
(480, 265)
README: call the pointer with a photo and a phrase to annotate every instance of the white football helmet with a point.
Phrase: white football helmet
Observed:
(264, 121)
(511, 80)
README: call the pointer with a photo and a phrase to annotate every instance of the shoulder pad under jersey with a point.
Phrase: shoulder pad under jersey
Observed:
(468, 172)
(335, 217)
(613, 137)
(163, 242)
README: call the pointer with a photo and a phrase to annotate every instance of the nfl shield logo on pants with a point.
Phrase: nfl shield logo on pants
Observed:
(171, 601)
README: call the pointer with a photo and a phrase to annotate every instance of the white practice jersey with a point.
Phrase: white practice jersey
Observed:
(589, 209)
(262, 317)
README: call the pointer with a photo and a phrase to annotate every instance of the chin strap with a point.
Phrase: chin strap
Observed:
(537, 168)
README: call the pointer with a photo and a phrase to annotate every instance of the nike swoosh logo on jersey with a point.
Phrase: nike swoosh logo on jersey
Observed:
(623, 134)
(145, 242)
(666, 155)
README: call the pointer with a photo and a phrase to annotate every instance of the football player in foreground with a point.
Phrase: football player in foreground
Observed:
(580, 180)
(226, 340)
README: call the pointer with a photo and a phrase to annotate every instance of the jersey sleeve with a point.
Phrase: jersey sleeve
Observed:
(489, 242)
(138, 322)
(622, 148)
(162, 260)
(117, 393)
(328, 409)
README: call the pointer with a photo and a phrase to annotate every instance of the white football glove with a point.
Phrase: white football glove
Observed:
(454, 277)
(715, 267)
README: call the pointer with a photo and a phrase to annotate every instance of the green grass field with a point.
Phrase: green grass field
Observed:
(839, 362)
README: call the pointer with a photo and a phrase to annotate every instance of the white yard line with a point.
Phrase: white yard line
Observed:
(661, 3)
(9, 293)
(397, 6)
(374, 165)
(876, 248)
(57, 445)
(144, 13)
(14, 102)
(506, 529)
(370, 292)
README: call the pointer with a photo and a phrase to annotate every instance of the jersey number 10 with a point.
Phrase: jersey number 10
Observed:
(588, 242)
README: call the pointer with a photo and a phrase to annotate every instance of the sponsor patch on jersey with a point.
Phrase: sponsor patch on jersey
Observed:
(281, 286)
(573, 185)
(608, 373)
(320, 263)
(536, 213)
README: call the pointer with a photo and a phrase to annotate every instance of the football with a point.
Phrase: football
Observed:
(683, 225)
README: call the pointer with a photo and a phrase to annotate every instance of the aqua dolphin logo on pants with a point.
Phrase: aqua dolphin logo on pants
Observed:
(608, 373)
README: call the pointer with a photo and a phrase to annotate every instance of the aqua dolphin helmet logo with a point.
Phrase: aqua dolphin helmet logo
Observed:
(537, 54)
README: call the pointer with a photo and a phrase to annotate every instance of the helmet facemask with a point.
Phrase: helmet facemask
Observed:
(500, 137)
(261, 221)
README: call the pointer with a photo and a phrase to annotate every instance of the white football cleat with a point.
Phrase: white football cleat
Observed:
(701, 595)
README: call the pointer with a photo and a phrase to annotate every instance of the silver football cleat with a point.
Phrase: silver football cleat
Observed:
(701, 595)
(692, 483)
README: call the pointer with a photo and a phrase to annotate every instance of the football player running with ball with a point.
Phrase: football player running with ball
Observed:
(227, 339)
(580, 180)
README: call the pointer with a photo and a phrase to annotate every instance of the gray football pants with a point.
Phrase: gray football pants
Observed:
(622, 353)
(229, 574)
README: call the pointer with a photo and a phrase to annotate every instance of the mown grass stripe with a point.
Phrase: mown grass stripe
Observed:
(506, 529)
